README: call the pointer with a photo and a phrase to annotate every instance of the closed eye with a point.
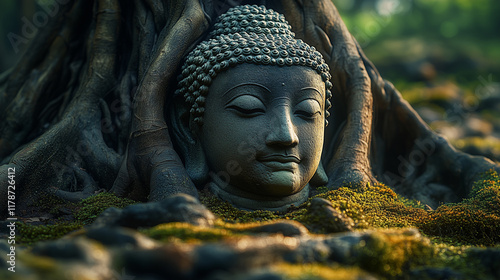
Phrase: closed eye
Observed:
(307, 114)
(308, 109)
(247, 111)
(246, 105)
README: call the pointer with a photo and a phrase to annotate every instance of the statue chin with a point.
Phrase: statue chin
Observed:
(250, 201)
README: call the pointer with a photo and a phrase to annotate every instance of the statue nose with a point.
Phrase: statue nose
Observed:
(282, 130)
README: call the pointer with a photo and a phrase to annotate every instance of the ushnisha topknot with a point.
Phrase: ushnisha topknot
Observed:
(246, 34)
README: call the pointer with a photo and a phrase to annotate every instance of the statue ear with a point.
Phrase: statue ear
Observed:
(187, 142)
(320, 178)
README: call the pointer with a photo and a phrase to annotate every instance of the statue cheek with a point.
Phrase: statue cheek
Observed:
(311, 146)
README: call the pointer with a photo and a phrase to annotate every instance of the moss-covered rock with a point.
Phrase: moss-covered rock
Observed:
(390, 253)
(475, 220)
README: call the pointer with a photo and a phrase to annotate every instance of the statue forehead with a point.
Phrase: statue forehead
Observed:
(272, 77)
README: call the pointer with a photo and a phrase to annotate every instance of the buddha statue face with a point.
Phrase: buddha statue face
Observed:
(257, 102)
(264, 127)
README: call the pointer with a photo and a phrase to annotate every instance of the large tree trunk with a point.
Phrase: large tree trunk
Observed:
(84, 108)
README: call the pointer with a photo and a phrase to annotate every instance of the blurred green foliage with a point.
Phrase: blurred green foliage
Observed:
(424, 18)
(425, 39)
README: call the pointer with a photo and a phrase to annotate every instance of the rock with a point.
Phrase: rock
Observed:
(478, 127)
(287, 228)
(341, 246)
(109, 217)
(71, 258)
(119, 237)
(326, 219)
(436, 273)
(66, 250)
(491, 100)
(448, 130)
(171, 261)
(489, 258)
(259, 274)
(123, 253)
(177, 208)
(309, 251)
(189, 261)
(428, 114)
(4, 250)
(213, 257)
(256, 251)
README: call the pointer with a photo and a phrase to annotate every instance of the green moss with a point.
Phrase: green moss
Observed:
(319, 272)
(475, 220)
(93, 206)
(375, 206)
(84, 213)
(51, 204)
(388, 253)
(29, 234)
(368, 206)
(457, 258)
(394, 253)
(172, 232)
(231, 214)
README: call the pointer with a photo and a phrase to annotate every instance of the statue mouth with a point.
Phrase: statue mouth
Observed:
(279, 162)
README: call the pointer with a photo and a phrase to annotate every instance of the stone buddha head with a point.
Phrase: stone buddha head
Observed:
(251, 111)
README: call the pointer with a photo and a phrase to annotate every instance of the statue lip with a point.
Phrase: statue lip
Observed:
(280, 158)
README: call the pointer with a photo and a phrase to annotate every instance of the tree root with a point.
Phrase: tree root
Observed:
(76, 141)
(152, 164)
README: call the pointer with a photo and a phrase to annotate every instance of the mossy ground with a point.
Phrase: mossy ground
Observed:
(66, 217)
(389, 253)
(452, 228)
(318, 271)
(473, 221)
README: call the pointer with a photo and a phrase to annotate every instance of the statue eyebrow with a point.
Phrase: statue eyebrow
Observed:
(246, 84)
(313, 88)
